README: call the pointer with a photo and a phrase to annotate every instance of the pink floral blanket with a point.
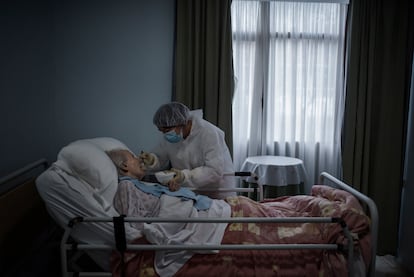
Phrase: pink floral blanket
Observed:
(324, 201)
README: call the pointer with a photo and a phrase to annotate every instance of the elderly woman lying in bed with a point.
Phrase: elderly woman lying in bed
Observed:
(139, 199)
(135, 198)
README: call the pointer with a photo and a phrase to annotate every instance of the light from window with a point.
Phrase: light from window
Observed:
(289, 64)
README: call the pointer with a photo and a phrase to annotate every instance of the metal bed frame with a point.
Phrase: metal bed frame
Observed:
(372, 212)
(16, 186)
(8, 182)
(122, 246)
(66, 245)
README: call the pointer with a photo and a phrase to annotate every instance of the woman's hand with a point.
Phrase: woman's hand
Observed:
(175, 183)
(147, 159)
(173, 186)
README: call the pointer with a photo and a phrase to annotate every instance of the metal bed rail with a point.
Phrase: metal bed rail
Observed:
(19, 173)
(65, 245)
(372, 209)
(249, 177)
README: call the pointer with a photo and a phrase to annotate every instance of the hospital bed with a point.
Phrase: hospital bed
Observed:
(334, 231)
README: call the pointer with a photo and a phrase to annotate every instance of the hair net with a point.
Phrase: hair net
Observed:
(171, 114)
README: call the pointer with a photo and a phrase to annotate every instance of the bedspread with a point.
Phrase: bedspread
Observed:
(324, 201)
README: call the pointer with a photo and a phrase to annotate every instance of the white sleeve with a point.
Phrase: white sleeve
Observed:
(215, 152)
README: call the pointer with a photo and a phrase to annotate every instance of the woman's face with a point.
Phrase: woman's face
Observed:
(134, 165)
(177, 129)
(184, 129)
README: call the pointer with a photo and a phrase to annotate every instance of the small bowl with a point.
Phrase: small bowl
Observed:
(164, 176)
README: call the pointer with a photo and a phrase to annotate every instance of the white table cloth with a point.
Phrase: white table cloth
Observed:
(276, 170)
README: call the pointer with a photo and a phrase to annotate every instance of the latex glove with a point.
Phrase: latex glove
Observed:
(179, 176)
(175, 183)
(147, 158)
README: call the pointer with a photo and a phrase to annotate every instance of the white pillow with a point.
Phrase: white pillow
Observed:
(105, 143)
(87, 160)
(90, 163)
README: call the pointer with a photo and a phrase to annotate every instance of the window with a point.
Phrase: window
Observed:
(289, 69)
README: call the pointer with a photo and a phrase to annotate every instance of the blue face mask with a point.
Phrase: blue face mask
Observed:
(173, 137)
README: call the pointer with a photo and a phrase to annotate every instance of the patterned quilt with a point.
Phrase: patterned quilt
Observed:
(324, 201)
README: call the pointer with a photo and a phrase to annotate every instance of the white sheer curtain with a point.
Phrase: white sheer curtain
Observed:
(289, 67)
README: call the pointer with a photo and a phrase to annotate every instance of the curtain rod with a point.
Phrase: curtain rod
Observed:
(346, 2)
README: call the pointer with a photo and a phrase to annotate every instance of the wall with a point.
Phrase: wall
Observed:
(81, 69)
(26, 67)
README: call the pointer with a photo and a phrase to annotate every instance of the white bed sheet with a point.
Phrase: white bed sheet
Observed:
(167, 263)
(67, 197)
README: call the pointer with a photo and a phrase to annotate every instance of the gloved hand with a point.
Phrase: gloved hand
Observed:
(147, 158)
(179, 176)
(175, 183)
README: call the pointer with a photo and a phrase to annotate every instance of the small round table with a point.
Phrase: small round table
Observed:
(281, 175)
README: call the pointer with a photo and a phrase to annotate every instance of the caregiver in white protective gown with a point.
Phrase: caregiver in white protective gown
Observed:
(193, 148)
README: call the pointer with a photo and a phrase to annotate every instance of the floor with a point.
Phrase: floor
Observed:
(387, 266)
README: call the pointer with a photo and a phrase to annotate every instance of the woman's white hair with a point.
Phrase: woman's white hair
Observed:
(118, 157)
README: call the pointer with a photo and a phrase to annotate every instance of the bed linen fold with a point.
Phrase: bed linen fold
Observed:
(167, 263)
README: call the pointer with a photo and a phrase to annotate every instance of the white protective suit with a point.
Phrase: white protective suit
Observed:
(203, 157)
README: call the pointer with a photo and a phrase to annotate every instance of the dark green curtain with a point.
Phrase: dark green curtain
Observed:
(203, 60)
(378, 79)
